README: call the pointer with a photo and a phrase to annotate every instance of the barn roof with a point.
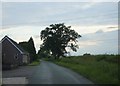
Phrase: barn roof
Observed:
(18, 47)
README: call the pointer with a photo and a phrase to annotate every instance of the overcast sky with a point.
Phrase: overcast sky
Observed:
(95, 21)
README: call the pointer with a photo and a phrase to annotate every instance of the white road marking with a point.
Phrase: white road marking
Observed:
(15, 80)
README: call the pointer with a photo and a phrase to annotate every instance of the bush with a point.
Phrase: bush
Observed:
(34, 63)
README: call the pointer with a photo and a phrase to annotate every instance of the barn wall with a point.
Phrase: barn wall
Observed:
(10, 55)
(26, 58)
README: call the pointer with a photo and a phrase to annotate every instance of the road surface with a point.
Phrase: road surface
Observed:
(50, 73)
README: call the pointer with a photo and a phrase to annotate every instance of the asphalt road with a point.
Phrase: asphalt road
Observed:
(50, 73)
(21, 71)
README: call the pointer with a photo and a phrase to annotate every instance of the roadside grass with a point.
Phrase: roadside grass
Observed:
(34, 63)
(101, 69)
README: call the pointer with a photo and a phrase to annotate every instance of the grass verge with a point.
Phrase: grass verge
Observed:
(99, 69)
(34, 63)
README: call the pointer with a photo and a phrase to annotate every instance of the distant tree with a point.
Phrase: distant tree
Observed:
(29, 47)
(86, 54)
(32, 50)
(24, 45)
(57, 37)
(43, 54)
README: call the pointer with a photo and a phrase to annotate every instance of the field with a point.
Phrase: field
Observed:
(101, 69)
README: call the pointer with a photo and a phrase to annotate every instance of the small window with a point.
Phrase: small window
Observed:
(16, 56)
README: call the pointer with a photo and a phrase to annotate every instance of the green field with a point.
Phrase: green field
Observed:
(101, 69)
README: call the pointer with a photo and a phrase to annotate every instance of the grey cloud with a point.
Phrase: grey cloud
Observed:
(45, 13)
(99, 31)
(107, 42)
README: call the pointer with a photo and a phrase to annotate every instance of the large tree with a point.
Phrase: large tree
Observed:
(57, 37)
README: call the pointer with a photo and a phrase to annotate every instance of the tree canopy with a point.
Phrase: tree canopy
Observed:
(29, 47)
(57, 37)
